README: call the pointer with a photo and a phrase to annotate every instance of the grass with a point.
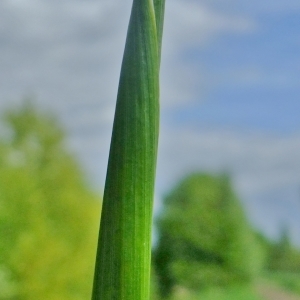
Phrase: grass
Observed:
(243, 292)
(286, 280)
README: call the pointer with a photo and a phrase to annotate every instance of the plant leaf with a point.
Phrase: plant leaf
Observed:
(123, 258)
(159, 7)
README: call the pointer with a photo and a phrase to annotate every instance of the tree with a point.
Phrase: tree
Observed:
(204, 236)
(283, 255)
(48, 216)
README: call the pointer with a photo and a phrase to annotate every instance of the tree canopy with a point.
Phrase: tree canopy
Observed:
(49, 217)
(204, 236)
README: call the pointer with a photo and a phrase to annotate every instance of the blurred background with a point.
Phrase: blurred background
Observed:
(228, 180)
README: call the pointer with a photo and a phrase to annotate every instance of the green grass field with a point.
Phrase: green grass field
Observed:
(285, 280)
(226, 293)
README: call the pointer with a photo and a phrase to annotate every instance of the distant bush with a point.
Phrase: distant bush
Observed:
(282, 255)
(204, 237)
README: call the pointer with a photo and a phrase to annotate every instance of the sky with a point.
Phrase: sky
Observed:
(230, 80)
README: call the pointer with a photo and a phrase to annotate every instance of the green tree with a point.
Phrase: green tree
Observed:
(204, 236)
(48, 217)
(283, 255)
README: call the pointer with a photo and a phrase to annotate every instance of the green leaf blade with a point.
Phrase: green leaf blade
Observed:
(123, 258)
(159, 7)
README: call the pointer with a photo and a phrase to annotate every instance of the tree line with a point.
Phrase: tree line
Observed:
(205, 240)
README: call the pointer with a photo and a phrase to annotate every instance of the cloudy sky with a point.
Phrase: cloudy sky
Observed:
(230, 84)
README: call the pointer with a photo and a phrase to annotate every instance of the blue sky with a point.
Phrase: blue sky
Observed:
(254, 79)
(229, 89)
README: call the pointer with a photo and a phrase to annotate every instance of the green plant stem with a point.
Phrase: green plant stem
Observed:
(124, 251)
(159, 7)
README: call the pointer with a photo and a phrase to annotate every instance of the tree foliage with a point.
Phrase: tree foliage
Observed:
(48, 216)
(204, 236)
(283, 256)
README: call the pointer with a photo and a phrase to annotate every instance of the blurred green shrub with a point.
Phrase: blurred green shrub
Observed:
(204, 237)
(48, 217)
(283, 256)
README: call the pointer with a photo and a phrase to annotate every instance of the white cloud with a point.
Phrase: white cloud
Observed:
(252, 75)
(62, 50)
(256, 7)
(71, 51)
(192, 25)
